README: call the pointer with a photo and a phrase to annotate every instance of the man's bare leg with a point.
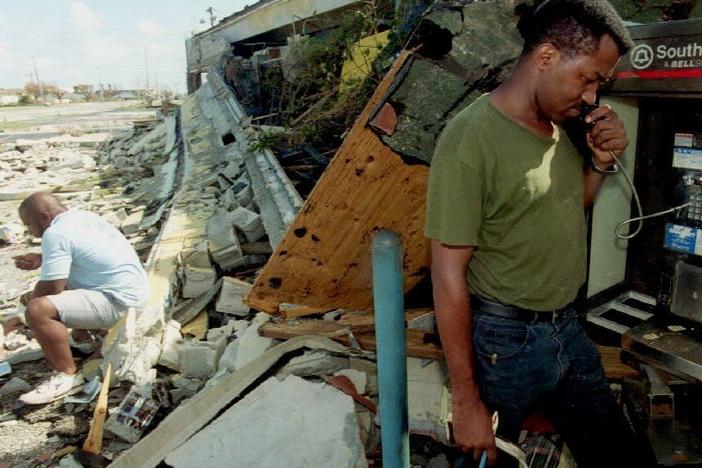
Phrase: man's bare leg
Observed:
(52, 335)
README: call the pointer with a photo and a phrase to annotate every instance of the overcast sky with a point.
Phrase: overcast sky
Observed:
(77, 41)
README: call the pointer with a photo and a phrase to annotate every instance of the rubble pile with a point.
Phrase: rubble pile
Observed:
(50, 165)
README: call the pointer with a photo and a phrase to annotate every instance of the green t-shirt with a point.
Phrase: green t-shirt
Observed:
(516, 197)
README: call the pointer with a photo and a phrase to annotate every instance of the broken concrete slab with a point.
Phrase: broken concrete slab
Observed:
(223, 243)
(197, 256)
(188, 418)
(248, 222)
(199, 359)
(314, 363)
(197, 281)
(27, 353)
(251, 344)
(231, 297)
(253, 433)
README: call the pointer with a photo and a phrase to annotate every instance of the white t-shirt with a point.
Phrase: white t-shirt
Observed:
(91, 254)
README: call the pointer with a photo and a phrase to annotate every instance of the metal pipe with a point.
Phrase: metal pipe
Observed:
(388, 302)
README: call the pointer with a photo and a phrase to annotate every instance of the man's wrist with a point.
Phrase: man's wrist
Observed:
(611, 169)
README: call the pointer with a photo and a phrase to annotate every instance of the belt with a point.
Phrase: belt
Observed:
(480, 304)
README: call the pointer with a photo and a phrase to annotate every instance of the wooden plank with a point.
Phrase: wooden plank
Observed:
(324, 261)
(612, 363)
(419, 343)
(360, 321)
(199, 410)
(93, 443)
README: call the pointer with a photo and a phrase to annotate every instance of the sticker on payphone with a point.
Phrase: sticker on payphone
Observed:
(685, 239)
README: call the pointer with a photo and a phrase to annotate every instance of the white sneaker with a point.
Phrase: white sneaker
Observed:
(54, 388)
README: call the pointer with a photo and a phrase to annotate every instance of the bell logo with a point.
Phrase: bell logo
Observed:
(641, 56)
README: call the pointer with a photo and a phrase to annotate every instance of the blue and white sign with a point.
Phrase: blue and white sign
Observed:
(685, 239)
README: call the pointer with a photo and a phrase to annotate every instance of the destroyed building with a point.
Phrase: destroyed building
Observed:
(254, 205)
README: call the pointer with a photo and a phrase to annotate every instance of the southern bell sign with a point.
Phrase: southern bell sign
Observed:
(667, 59)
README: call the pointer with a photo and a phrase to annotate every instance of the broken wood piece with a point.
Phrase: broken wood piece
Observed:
(199, 410)
(344, 384)
(93, 444)
(385, 120)
(324, 259)
(419, 343)
(197, 327)
(291, 311)
(612, 363)
(361, 321)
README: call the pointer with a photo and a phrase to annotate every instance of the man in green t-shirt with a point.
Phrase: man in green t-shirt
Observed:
(505, 209)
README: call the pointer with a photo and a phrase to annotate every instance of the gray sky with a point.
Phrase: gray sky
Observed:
(79, 41)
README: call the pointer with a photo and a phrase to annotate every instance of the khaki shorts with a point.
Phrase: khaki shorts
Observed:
(87, 310)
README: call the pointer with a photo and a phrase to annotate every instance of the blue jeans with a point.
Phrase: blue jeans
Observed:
(554, 368)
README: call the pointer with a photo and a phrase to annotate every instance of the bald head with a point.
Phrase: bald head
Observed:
(38, 210)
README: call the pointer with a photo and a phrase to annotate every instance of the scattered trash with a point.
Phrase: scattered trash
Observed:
(133, 415)
(90, 391)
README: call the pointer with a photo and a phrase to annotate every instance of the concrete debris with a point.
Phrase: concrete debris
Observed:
(131, 224)
(428, 398)
(169, 346)
(231, 297)
(249, 223)
(214, 334)
(30, 352)
(133, 346)
(14, 385)
(197, 256)
(200, 359)
(197, 281)
(253, 433)
(314, 363)
(185, 311)
(249, 346)
(223, 243)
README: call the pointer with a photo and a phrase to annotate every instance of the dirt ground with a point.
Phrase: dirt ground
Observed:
(28, 435)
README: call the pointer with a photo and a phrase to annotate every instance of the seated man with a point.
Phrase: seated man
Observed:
(90, 277)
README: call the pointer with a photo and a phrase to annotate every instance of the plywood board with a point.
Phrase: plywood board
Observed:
(324, 260)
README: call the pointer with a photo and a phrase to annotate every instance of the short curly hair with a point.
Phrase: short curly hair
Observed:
(574, 26)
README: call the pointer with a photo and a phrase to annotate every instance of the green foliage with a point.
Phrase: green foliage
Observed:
(266, 140)
(309, 98)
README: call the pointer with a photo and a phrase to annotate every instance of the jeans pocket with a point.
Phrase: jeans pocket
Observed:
(497, 337)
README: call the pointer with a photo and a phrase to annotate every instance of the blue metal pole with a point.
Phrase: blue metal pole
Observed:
(388, 299)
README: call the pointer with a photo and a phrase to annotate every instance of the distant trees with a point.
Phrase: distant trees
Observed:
(38, 89)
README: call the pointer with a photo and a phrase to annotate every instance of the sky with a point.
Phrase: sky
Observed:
(109, 41)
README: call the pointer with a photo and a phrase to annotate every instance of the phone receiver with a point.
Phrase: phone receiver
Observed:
(584, 112)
